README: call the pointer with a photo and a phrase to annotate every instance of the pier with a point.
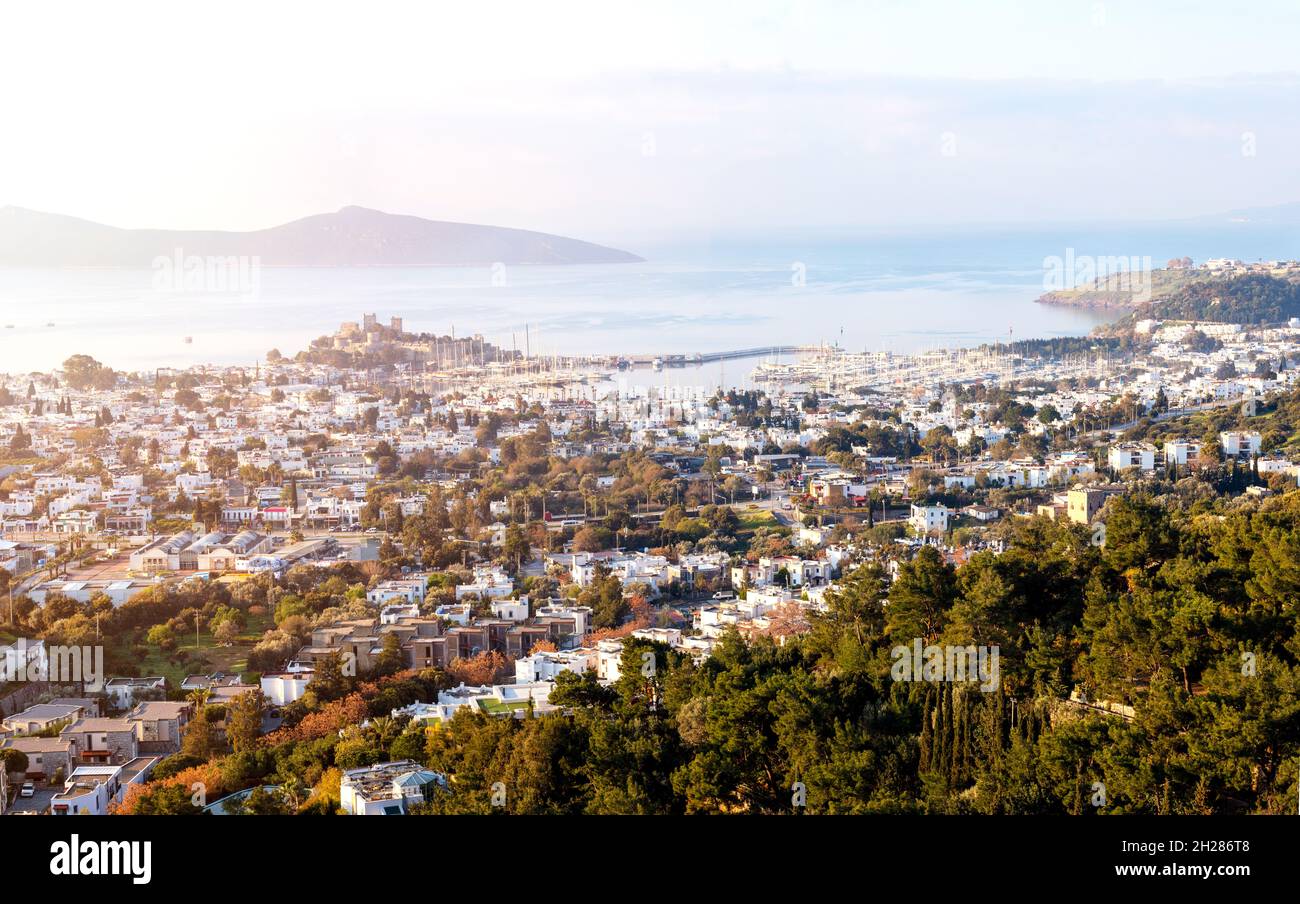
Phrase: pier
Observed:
(707, 357)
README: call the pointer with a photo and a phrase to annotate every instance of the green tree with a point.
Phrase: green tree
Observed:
(920, 598)
(244, 721)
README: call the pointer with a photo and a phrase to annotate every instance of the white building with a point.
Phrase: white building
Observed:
(283, 688)
(488, 584)
(395, 612)
(511, 610)
(1126, 456)
(387, 789)
(411, 589)
(581, 616)
(544, 666)
(124, 691)
(1183, 452)
(927, 519)
(1238, 443)
(90, 790)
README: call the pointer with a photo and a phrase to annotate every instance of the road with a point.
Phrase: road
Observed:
(1166, 416)
(38, 803)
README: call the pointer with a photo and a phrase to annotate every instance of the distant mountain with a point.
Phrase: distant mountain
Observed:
(1273, 215)
(350, 237)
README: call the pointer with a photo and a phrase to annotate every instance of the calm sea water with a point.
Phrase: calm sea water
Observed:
(901, 292)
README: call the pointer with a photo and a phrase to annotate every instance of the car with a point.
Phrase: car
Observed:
(28, 789)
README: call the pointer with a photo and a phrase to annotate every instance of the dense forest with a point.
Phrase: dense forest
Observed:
(1189, 619)
(1249, 299)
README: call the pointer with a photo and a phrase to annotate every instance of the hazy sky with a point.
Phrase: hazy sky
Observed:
(626, 122)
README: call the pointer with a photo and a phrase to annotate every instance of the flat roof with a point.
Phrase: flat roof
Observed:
(100, 724)
(45, 711)
(135, 682)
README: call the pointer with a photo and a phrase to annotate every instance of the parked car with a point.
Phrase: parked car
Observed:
(28, 789)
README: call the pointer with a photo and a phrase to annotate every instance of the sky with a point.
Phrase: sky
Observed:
(638, 122)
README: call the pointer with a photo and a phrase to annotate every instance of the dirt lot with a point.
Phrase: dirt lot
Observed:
(110, 569)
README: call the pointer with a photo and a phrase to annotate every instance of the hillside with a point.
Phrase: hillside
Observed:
(1106, 293)
(1251, 299)
(349, 237)
(1277, 419)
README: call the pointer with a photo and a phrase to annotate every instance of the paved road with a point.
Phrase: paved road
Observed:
(38, 803)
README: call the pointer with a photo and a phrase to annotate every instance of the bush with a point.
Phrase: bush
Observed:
(169, 766)
(14, 760)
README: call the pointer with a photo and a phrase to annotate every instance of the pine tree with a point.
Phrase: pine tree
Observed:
(199, 739)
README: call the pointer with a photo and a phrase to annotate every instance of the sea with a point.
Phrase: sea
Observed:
(902, 290)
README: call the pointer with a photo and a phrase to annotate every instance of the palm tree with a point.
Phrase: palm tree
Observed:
(386, 730)
(292, 791)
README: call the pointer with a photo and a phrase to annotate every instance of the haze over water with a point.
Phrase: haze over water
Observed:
(867, 291)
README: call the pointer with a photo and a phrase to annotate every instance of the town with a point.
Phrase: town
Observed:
(372, 540)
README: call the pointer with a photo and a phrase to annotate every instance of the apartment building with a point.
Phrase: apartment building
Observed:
(1129, 456)
(1240, 444)
(1183, 453)
(929, 519)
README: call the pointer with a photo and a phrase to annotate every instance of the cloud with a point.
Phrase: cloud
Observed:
(622, 125)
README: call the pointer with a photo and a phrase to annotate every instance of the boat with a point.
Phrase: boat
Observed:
(657, 364)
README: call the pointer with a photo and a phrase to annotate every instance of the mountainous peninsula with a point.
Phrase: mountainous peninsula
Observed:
(349, 237)
(1249, 293)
